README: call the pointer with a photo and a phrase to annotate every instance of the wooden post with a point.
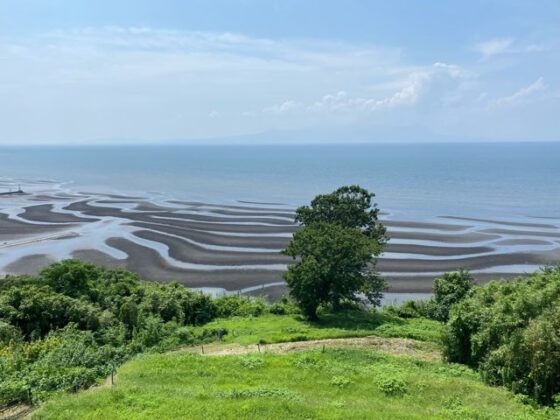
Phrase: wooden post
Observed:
(202, 345)
(259, 347)
(323, 348)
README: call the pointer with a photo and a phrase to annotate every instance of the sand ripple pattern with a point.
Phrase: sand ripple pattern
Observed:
(236, 246)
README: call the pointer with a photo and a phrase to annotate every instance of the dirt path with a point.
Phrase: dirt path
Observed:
(16, 412)
(398, 346)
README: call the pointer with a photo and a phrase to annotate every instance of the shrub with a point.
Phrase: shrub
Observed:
(9, 334)
(412, 309)
(340, 381)
(283, 308)
(450, 289)
(64, 329)
(13, 391)
(239, 305)
(510, 332)
(251, 362)
(391, 386)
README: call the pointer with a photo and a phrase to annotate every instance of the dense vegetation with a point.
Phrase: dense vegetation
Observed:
(69, 326)
(335, 247)
(73, 324)
(510, 332)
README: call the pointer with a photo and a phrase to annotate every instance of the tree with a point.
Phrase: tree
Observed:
(510, 332)
(349, 206)
(70, 277)
(336, 245)
(450, 289)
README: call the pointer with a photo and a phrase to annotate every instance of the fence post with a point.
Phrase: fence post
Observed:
(259, 347)
(202, 345)
(323, 348)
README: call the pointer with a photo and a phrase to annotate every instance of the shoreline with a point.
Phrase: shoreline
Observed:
(236, 246)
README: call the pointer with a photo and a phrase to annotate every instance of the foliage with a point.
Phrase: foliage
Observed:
(391, 385)
(348, 206)
(54, 340)
(68, 327)
(229, 306)
(510, 332)
(335, 249)
(450, 289)
(340, 383)
(333, 267)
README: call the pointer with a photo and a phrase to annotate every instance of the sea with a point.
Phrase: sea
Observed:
(411, 181)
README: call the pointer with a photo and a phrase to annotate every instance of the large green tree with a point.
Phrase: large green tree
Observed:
(335, 250)
(349, 206)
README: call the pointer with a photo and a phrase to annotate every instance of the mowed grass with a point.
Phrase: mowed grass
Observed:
(282, 328)
(313, 384)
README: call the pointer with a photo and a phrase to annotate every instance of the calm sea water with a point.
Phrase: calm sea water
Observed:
(415, 181)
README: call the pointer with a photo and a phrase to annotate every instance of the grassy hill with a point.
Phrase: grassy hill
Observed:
(181, 354)
(350, 378)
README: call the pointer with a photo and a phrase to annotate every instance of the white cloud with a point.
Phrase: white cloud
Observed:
(538, 86)
(493, 46)
(144, 83)
(284, 107)
(497, 46)
(410, 91)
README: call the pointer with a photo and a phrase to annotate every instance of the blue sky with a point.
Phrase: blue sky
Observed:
(79, 72)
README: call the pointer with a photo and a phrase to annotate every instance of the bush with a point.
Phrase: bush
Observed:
(412, 309)
(391, 386)
(13, 391)
(9, 334)
(283, 307)
(510, 332)
(239, 305)
(450, 289)
(67, 327)
(340, 381)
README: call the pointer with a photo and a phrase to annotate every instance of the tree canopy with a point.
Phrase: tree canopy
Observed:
(349, 206)
(510, 332)
(335, 248)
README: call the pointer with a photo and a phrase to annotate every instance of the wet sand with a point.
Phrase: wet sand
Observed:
(30, 264)
(45, 213)
(15, 229)
(436, 250)
(152, 266)
(237, 246)
(187, 252)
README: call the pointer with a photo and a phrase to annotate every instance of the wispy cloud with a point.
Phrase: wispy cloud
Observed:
(497, 46)
(149, 83)
(523, 94)
(493, 46)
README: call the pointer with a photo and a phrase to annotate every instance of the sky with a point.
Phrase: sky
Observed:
(165, 71)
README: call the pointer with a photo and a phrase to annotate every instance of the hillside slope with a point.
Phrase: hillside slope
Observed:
(317, 383)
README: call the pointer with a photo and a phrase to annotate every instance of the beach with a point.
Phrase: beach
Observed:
(235, 247)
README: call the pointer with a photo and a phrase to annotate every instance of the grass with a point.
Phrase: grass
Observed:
(282, 328)
(336, 383)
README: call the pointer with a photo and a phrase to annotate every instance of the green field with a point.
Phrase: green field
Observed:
(333, 382)
(284, 328)
(336, 383)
